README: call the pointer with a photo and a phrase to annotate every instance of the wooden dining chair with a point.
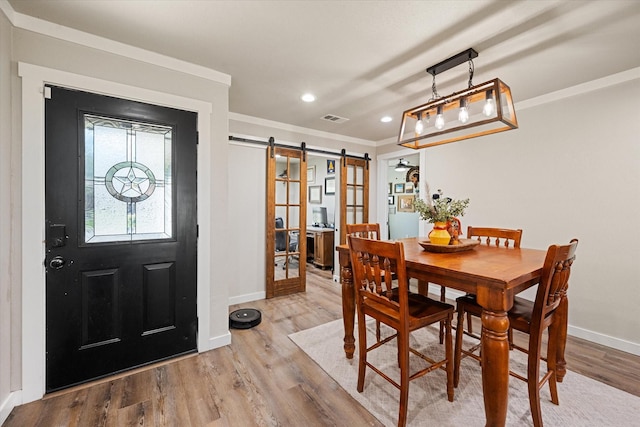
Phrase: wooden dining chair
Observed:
(367, 231)
(491, 237)
(467, 304)
(372, 262)
(533, 318)
(496, 236)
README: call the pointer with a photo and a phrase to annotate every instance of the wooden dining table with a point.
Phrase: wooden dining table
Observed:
(495, 275)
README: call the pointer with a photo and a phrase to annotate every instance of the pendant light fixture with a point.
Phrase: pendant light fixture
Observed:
(402, 166)
(476, 111)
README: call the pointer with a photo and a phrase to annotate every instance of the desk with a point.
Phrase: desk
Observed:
(495, 275)
(320, 246)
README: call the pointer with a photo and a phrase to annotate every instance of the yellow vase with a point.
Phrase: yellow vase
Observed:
(439, 235)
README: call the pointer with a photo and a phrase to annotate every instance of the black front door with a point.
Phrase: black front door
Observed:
(121, 235)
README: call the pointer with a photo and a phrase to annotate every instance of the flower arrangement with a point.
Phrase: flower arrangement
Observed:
(440, 209)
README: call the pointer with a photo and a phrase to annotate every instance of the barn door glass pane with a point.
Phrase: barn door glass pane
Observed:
(127, 180)
(355, 194)
(287, 218)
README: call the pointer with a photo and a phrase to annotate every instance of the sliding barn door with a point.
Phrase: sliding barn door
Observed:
(354, 193)
(286, 221)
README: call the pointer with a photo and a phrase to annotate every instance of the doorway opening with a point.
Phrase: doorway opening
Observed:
(402, 188)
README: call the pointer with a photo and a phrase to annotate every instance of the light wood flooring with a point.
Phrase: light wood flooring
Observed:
(261, 379)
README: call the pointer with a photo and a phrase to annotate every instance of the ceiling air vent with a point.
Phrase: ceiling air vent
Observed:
(333, 118)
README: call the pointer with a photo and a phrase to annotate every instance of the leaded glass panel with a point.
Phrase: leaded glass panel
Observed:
(128, 180)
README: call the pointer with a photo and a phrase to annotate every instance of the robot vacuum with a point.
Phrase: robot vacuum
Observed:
(245, 318)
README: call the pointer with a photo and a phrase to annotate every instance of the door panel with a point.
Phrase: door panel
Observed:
(354, 193)
(100, 307)
(121, 238)
(286, 222)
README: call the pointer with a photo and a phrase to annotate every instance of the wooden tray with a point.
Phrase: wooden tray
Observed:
(464, 245)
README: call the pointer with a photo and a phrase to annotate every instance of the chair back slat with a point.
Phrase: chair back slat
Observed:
(496, 236)
(365, 230)
(373, 262)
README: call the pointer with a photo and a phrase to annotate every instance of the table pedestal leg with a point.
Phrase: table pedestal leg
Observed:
(348, 306)
(495, 366)
(562, 319)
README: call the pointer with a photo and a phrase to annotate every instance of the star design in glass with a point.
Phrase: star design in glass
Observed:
(131, 183)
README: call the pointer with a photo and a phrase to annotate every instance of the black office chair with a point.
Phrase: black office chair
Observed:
(281, 241)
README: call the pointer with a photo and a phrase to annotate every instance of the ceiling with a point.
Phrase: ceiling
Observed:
(365, 59)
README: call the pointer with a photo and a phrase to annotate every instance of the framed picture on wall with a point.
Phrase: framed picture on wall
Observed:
(390, 188)
(331, 166)
(315, 194)
(391, 200)
(405, 204)
(408, 187)
(311, 174)
(399, 188)
(330, 185)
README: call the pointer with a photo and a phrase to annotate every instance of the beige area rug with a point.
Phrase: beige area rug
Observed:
(583, 401)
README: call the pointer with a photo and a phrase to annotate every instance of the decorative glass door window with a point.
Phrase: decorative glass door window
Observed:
(127, 180)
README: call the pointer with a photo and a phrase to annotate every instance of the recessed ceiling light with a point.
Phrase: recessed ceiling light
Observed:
(308, 97)
(386, 119)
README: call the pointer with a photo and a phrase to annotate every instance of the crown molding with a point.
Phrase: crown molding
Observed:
(602, 83)
(61, 32)
(8, 11)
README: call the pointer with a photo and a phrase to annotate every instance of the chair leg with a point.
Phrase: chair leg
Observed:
(442, 299)
(449, 353)
(551, 362)
(533, 375)
(469, 323)
(362, 351)
(510, 337)
(403, 348)
(458, 349)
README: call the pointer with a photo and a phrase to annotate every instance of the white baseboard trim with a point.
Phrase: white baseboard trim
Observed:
(217, 342)
(239, 299)
(574, 331)
(13, 399)
(606, 340)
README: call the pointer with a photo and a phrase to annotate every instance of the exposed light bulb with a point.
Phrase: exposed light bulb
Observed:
(439, 124)
(463, 114)
(489, 105)
(419, 125)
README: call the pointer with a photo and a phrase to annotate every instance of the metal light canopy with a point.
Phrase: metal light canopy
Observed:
(489, 109)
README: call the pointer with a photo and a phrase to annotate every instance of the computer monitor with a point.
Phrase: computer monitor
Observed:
(319, 217)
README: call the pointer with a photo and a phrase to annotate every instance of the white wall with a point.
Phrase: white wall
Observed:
(7, 326)
(246, 207)
(572, 169)
(328, 200)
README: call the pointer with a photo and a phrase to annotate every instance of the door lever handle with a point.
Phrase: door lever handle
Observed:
(57, 262)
